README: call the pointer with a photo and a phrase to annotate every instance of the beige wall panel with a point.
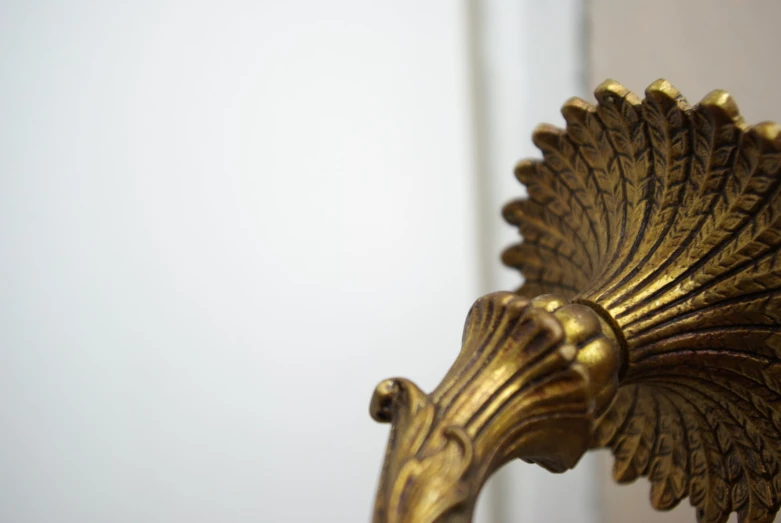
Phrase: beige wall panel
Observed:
(698, 45)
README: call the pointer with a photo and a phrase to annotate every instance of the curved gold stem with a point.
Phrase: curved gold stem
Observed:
(531, 379)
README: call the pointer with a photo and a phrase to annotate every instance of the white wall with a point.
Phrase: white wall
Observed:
(222, 223)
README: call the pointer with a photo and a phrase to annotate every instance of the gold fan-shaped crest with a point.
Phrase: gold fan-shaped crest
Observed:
(666, 218)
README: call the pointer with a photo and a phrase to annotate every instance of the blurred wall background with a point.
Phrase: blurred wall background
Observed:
(222, 223)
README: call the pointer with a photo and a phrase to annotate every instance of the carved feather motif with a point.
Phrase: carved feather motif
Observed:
(667, 219)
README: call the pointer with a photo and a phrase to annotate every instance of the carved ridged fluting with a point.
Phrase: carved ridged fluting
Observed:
(666, 218)
(528, 383)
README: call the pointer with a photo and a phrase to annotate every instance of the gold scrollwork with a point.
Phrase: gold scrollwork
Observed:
(649, 321)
